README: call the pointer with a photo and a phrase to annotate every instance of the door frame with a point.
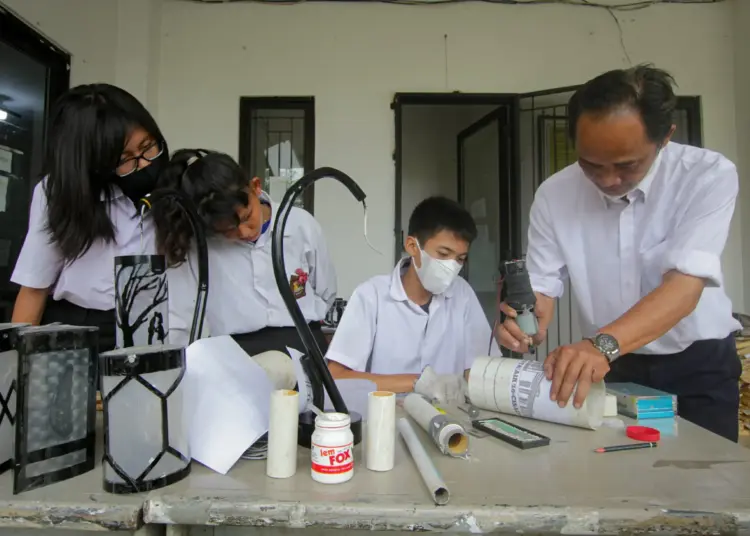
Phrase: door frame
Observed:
(508, 182)
(400, 100)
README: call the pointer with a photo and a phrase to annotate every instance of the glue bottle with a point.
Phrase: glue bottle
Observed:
(332, 449)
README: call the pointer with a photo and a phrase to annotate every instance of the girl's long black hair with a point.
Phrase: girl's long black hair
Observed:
(217, 186)
(89, 129)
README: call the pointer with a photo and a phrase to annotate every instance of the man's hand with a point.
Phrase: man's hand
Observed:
(578, 363)
(510, 335)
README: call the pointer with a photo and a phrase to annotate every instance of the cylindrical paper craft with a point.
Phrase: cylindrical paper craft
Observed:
(449, 436)
(430, 476)
(381, 430)
(282, 434)
(519, 387)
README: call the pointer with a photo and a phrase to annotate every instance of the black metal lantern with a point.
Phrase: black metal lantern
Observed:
(145, 436)
(8, 388)
(55, 435)
(141, 300)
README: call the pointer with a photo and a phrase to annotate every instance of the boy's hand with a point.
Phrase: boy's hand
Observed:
(443, 388)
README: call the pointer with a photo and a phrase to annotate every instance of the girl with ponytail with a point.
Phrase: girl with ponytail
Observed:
(243, 300)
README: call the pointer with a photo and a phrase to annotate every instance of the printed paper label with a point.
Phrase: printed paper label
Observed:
(524, 387)
(332, 460)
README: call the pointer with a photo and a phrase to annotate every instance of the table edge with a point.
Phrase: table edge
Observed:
(224, 511)
(91, 516)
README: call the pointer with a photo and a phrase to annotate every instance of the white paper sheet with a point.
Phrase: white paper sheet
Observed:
(227, 401)
(6, 160)
(3, 192)
(303, 382)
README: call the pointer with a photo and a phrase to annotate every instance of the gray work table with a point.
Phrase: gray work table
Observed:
(693, 483)
(76, 504)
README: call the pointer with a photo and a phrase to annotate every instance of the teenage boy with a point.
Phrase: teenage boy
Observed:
(422, 314)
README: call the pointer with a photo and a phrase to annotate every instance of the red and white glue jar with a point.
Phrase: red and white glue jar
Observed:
(332, 449)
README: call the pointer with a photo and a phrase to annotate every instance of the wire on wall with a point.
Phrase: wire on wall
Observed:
(626, 5)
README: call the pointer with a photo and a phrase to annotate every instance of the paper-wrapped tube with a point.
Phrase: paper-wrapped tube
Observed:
(430, 476)
(449, 436)
(278, 367)
(282, 434)
(381, 430)
(519, 387)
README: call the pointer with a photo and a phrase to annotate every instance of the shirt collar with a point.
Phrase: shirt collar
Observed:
(397, 291)
(266, 237)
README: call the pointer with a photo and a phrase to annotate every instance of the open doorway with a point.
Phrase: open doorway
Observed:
(491, 152)
(459, 146)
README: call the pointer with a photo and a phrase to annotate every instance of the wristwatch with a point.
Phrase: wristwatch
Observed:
(607, 345)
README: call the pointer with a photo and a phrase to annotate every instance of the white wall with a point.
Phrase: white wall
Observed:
(353, 57)
(429, 158)
(742, 103)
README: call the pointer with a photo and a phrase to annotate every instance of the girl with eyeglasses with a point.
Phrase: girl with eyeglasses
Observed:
(238, 217)
(104, 153)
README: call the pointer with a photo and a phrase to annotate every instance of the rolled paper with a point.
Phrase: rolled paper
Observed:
(282, 434)
(278, 367)
(520, 387)
(449, 435)
(430, 476)
(381, 430)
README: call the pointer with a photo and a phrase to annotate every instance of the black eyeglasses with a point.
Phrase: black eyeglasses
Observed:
(130, 165)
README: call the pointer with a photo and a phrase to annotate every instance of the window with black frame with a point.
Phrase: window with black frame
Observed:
(34, 73)
(277, 142)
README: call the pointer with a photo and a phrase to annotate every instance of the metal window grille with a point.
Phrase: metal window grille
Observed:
(277, 143)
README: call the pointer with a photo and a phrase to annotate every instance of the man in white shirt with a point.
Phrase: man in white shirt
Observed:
(421, 315)
(639, 225)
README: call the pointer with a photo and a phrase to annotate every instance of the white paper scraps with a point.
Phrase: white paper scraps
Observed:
(303, 382)
(3, 192)
(227, 402)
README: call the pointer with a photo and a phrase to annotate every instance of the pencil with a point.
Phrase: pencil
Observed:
(634, 446)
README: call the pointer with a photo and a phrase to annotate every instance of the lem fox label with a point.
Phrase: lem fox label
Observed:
(332, 460)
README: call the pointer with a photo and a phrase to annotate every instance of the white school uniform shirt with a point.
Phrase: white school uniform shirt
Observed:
(242, 293)
(616, 252)
(382, 331)
(88, 281)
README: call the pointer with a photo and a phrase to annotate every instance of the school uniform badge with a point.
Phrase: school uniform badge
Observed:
(298, 282)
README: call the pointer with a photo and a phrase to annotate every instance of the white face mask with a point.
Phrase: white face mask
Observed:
(436, 275)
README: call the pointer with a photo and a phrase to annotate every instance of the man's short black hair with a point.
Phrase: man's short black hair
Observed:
(436, 214)
(644, 88)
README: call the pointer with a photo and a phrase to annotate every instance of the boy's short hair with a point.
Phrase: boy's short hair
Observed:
(436, 214)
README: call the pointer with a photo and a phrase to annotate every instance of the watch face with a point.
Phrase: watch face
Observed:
(607, 344)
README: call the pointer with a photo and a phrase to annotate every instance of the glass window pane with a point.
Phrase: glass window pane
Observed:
(278, 137)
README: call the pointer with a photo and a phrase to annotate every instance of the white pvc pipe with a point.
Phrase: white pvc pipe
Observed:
(430, 476)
